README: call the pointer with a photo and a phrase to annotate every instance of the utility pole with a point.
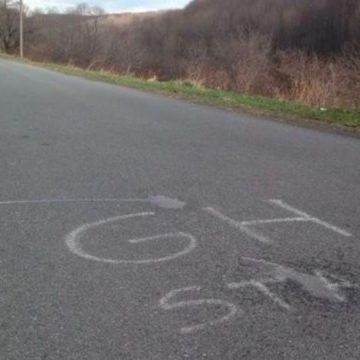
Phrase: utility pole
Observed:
(21, 29)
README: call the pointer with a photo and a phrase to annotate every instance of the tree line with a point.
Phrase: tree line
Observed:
(303, 50)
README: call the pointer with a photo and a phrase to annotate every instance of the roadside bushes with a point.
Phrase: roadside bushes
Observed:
(323, 82)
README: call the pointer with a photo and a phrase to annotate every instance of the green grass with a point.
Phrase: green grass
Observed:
(342, 118)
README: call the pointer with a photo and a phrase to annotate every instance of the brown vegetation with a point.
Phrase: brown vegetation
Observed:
(302, 50)
(9, 20)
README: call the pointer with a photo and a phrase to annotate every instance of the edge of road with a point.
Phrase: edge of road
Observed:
(189, 93)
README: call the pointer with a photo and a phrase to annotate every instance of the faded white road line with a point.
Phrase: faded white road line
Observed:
(157, 200)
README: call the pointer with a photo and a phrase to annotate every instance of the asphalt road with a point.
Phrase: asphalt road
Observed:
(140, 227)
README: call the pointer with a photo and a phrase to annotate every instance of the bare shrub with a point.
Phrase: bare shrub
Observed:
(350, 79)
(251, 67)
(218, 79)
(332, 82)
(313, 81)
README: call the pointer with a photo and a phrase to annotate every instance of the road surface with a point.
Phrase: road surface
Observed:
(139, 227)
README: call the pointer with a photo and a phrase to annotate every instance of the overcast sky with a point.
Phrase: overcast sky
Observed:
(111, 5)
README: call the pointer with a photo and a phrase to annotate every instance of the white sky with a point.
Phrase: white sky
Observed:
(111, 5)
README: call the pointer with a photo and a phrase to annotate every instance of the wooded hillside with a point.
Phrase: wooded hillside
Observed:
(303, 50)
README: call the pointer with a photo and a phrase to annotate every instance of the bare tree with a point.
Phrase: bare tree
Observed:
(9, 26)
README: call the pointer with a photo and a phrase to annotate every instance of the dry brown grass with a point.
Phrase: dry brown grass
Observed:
(295, 76)
(319, 82)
